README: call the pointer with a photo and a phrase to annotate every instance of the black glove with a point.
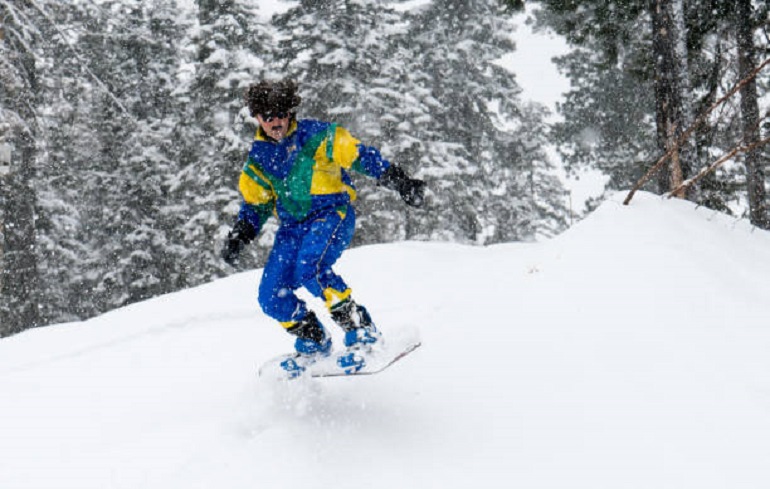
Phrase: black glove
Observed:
(410, 189)
(241, 235)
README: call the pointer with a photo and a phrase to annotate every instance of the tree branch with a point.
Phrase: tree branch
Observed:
(686, 134)
(705, 171)
(82, 63)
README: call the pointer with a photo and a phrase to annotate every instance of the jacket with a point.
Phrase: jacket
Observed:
(305, 173)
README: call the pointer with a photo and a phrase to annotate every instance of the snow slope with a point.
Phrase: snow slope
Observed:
(629, 352)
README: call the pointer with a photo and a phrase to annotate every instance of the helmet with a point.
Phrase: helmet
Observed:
(272, 96)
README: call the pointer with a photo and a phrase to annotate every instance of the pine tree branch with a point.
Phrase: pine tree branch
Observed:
(17, 18)
(686, 134)
(78, 57)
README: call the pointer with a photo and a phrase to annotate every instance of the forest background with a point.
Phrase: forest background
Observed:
(123, 127)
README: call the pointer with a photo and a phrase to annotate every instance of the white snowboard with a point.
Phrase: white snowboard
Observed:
(391, 348)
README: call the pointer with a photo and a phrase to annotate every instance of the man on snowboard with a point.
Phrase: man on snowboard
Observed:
(298, 170)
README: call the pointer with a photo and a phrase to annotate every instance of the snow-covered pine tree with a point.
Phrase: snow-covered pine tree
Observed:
(609, 121)
(229, 44)
(109, 118)
(20, 37)
(69, 138)
(129, 170)
(149, 262)
(483, 148)
(144, 138)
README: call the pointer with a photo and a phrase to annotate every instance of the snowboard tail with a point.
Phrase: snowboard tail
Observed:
(373, 363)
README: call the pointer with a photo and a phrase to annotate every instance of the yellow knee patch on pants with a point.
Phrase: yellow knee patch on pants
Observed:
(334, 297)
(288, 324)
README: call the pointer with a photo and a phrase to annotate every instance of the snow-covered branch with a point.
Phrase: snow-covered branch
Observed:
(80, 59)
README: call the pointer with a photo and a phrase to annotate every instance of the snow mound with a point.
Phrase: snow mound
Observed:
(631, 351)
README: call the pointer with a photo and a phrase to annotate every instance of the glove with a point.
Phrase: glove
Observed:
(237, 239)
(412, 191)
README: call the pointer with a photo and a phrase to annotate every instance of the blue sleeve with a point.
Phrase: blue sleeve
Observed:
(256, 215)
(370, 162)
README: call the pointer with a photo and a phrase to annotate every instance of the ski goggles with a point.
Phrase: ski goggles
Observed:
(268, 117)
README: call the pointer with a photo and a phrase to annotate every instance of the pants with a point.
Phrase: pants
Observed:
(302, 256)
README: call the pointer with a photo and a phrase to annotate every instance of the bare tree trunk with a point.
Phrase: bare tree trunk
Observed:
(669, 79)
(675, 177)
(755, 177)
(661, 107)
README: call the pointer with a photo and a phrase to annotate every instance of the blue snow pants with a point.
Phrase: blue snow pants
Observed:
(302, 256)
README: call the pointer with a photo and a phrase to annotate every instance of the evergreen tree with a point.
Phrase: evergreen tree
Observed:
(213, 141)
(641, 71)
(104, 183)
(124, 168)
(70, 140)
(136, 112)
(609, 121)
(608, 124)
(755, 175)
(455, 118)
(488, 150)
(19, 92)
(143, 260)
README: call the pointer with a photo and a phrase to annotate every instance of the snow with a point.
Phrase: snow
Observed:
(408, 5)
(267, 8)
(532, 63)
(275, 7)
(629, 352)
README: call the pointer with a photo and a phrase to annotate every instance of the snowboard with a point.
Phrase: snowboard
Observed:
(375, 358)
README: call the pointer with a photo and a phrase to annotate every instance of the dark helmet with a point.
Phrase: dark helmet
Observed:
(268, 97)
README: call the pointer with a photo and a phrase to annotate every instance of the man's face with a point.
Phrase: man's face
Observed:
(275, 124)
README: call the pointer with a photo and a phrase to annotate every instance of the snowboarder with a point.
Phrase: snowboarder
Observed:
(298, 170)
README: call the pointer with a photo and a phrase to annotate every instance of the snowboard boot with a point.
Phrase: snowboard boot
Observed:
(357, 324)
(313, 342)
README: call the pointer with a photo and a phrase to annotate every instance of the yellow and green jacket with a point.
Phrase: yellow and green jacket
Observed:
(304, 173)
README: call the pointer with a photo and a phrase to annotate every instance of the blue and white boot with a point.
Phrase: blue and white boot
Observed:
(312, 344)
(360, 334)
